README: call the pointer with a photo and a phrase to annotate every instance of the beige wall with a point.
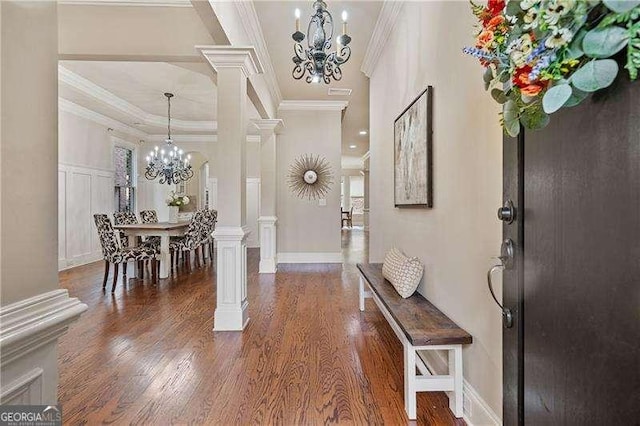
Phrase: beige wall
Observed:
(457, 238)
(84, 143)
(29, 139)
(303, 225)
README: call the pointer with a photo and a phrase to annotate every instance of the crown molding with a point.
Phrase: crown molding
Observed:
(98, 93)
(243, 57)
(313, 105)
(75, 109)
(274, 125)
(381, 32)
(366, 156)
(153, 3)
(251, 24)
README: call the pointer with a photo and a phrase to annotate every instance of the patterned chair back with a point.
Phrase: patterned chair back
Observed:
(193, 235)
(108, 239)
(125, 218)
(149, 216)
(212, 218)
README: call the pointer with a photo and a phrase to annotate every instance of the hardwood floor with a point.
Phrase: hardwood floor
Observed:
(147, 354)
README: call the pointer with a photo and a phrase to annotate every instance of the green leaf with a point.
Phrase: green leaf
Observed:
(513, 8)
(633, 51)
(488, 75)
(556, 97)
(595, 75)
(604, 42)
(621, 6)
(575, 48)
(577, 96)
(499, 96)
(510, 114)
(534, 119)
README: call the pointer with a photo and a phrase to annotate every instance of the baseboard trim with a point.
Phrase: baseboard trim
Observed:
(36, 321)
(481, 414)
(310, 257)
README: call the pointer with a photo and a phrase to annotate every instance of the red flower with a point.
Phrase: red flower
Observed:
(495, 22)
(495, 7)
(521, 80)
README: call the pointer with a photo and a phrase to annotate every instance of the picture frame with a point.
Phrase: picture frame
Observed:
(413, 153)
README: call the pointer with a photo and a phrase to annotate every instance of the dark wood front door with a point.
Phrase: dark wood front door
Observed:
(573, 353)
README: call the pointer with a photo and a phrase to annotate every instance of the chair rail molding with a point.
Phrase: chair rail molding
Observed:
(381, 32)
(28, 338)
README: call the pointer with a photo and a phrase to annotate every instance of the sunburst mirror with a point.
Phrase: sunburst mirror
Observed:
(310, 177)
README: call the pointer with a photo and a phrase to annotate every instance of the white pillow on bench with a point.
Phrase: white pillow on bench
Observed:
(403, 272)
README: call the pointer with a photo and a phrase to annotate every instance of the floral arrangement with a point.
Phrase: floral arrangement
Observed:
(543, 55)
(174, 200)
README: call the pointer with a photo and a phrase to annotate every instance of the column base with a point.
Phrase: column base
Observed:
(268, 256)
(231, 279)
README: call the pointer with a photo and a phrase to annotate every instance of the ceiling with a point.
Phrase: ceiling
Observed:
(135, 93)
(132, 92)
(278, 23)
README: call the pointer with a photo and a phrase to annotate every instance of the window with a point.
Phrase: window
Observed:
(124, 190)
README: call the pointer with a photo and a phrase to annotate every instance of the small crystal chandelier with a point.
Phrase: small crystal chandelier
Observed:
(169, 162)
(317, 60)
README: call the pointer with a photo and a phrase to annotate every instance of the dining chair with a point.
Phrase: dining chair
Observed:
(347, 217)
(114, 253)
(190, 241)
(150, 216)
(209, 225)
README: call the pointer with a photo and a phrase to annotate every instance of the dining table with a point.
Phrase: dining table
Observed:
(164, 230)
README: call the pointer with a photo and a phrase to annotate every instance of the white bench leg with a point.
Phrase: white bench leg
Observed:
(410, 404)
(361, 294)
(455, 370)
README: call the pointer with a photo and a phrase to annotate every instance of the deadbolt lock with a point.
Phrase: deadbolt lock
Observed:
(507, 213)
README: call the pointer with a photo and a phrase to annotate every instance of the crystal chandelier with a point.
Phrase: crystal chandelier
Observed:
(317, 61)
(168, 163)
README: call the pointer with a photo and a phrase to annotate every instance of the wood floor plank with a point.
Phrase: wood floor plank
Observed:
(147, 354)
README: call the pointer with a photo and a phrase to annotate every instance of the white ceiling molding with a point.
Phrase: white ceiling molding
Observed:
(313, 105)
(251, 23)
(381, 33)
(366, 156)
(274, 125)
(243, 57)
(182, 138)
(93, 90)
(80, 111)
(155, 3)
(349, 162)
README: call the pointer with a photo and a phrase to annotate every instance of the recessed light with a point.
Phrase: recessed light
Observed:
(363, 132)
(353, 146)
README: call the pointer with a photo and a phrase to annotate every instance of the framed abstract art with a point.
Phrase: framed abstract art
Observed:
(413, 163)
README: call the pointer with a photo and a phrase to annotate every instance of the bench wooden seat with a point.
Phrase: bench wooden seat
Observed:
(420, 326)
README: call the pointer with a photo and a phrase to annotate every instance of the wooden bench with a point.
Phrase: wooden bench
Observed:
(420, 326)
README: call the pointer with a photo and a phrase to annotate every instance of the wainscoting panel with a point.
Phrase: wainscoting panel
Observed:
(81, 193)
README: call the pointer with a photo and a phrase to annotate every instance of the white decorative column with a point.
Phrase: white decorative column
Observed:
(233, 66)
(269, 128)
(346, 202)
(366, 191)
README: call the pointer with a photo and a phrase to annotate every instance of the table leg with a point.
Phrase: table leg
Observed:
(164, 256)
(133, 242)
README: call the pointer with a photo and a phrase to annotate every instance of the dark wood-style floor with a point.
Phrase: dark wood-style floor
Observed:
(147, 354)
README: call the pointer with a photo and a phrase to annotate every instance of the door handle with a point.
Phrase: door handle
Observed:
(507, 315)
(506, 260)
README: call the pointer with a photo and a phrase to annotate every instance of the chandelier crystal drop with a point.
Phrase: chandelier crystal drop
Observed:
(168, 164)
(317, 62)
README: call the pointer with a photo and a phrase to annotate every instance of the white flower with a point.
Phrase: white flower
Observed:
(185, 200)
(556, 9)
(520, 49)
(531, 18)
(558, 38)
(528, 4)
